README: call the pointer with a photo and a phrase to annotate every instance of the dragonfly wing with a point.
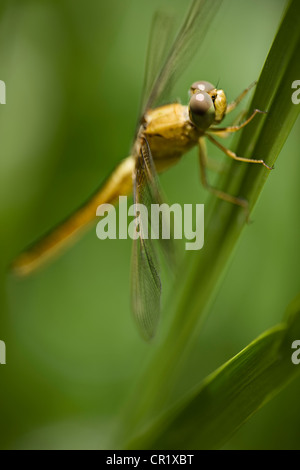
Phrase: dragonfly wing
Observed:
(145, 287)
(150, 193)
(187, 42)
(158, 46)
(145, 275)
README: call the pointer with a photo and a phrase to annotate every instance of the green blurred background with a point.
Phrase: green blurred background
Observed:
(74, 73)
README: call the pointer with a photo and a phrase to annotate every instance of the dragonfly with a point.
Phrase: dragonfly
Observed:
(164, 133)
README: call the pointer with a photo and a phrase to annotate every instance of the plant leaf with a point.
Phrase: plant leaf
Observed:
(209, 416)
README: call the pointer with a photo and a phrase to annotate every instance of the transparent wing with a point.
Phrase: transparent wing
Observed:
(151, 193)
(187, 42)
(145, 269)
(158, 46)
(145, 287)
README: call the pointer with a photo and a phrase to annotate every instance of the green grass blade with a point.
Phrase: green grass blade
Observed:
(209, 416)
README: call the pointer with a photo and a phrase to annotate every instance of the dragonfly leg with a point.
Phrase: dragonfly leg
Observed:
(234, 156)
(220, 194)
(231, 106)
(235, 122)
(225, 131)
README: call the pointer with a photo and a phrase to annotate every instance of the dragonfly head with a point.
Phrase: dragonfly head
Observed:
(207, 104)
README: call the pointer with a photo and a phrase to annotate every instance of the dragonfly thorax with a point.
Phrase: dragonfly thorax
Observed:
(170, 133)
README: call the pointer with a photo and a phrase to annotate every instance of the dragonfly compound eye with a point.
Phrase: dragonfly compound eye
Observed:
(201, 86)
(201, 110)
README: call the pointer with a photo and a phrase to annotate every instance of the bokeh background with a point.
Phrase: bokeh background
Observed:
(74, 73)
